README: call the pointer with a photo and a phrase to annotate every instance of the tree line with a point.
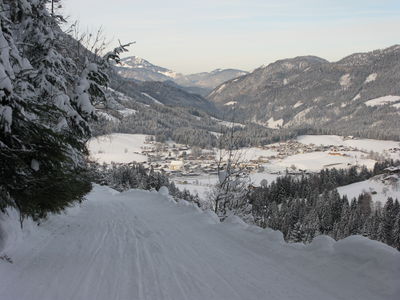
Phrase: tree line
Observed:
(122, 177)
(305, 207)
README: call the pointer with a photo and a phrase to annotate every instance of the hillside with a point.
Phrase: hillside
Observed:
(142, 110)
(160, 92)
(358, 95)
(141, 245)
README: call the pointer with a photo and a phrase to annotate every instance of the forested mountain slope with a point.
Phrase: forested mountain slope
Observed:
(358, 95)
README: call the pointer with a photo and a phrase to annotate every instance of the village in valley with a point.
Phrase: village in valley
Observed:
(183, 160)
(196, 169)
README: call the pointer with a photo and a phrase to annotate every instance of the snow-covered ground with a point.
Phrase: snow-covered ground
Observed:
(382, 100)
(127, 112)
(378, 190)
(371, 77)
(298, 103)
(140, 245)
(203, 184)
(247, 154)
(316, 161)
(345, 80)
(228, 124)
(107, 116)
(271, 123)
(152, 98)
(117, 147)
(379, 146)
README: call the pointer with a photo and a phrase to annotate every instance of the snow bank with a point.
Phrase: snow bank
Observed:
(359, 249)
(11, 234)
(235, 220)
(322, 244)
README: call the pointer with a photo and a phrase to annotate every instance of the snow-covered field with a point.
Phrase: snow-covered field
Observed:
(117, 147)
(316, 161)
(203, 184)
(378, 190)
(140, 245)
(200, 185)
(361, 144)
(247, 154)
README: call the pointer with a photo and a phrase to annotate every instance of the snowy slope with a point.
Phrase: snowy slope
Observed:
(374, 186)
(117, 147)
(140, 245)
(382, 100)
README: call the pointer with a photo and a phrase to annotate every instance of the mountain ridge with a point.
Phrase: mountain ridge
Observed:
(137, 68)
(311, 92)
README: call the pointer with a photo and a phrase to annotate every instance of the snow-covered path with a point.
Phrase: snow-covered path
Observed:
(138, 245)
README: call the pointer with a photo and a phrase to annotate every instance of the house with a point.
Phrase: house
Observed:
(393, 170)
(176, 165)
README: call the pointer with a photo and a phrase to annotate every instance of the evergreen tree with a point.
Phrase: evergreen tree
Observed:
(297, 233)
(388, 219)
(43, 119)
(396, 232)
(311, 225)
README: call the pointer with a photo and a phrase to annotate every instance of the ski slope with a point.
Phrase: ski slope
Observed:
(141, 245)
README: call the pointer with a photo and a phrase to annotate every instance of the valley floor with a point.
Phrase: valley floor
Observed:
(141, 245)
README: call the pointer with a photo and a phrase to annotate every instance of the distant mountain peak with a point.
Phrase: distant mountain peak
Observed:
(134, 67)
(135, 61)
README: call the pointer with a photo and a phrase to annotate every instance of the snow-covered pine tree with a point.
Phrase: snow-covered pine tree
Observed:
(396, 232)
(297, 234)
(343, 227)
(30, 151)
(311, 225)
(388, 220)
(46, 102)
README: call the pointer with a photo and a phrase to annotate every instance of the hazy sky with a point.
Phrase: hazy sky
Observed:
(191, 36)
